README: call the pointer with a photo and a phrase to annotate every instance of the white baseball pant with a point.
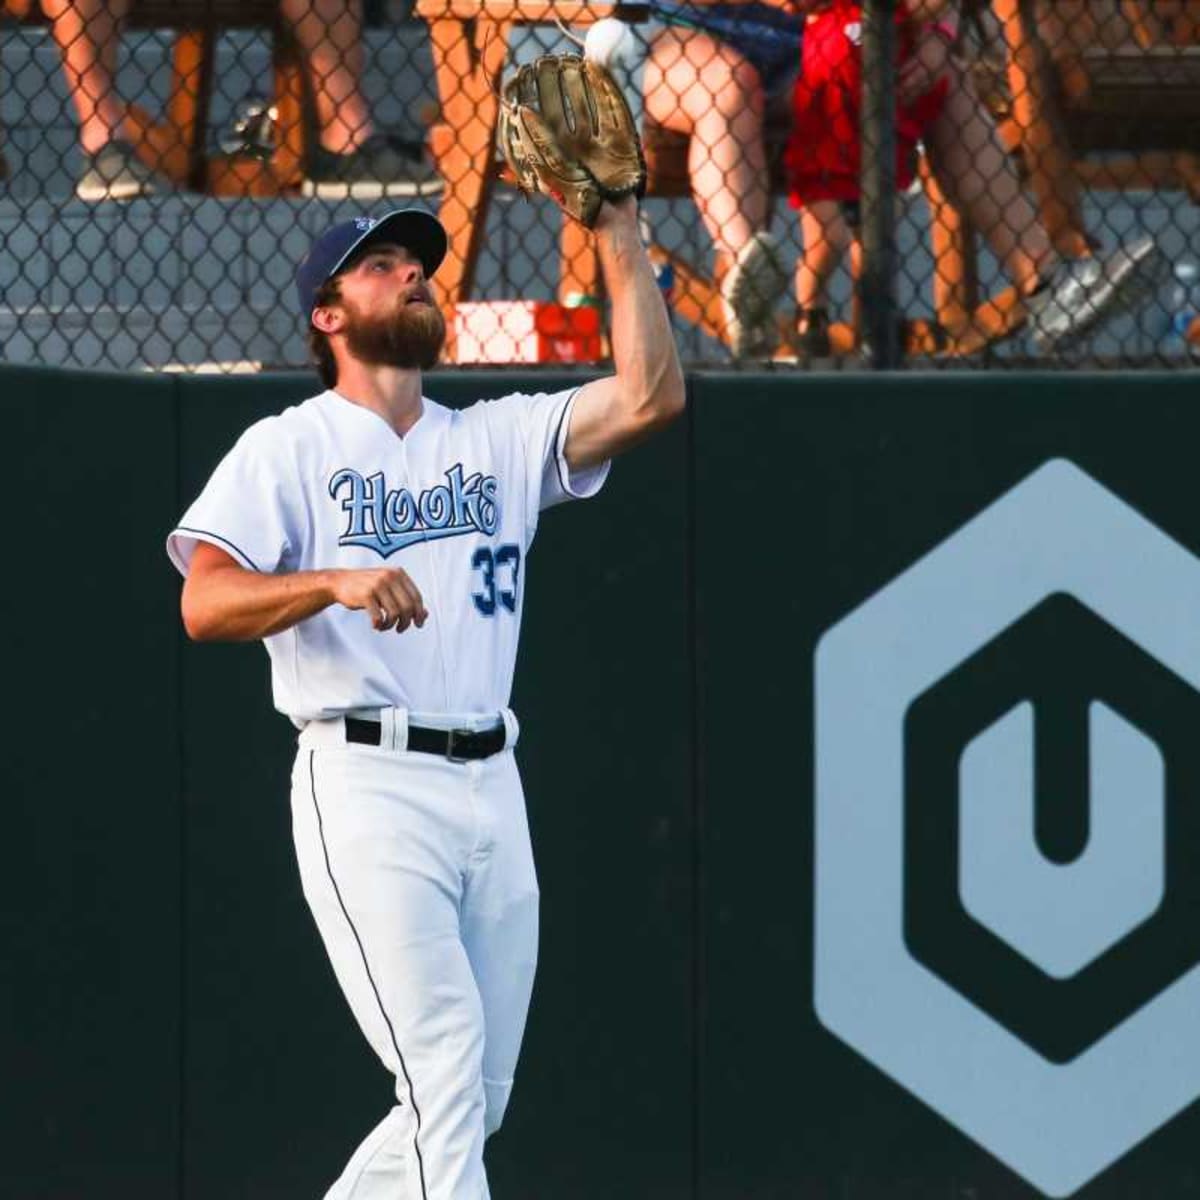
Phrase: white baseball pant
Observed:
(420, 876)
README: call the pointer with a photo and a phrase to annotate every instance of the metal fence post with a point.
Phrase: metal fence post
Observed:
(877, 287)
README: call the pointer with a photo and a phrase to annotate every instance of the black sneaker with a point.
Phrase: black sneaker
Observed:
(115, 172)
(382, 166)
(812, 335)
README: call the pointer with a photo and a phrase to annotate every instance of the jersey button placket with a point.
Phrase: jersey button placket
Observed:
(435, 601)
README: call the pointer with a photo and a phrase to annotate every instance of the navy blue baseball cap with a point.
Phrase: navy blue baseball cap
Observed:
(413, 228)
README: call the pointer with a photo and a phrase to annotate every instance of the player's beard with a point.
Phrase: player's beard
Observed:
(411, 337)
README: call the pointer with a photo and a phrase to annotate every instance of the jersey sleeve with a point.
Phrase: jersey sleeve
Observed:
(244, 508)
(559, 482)
(541, 423)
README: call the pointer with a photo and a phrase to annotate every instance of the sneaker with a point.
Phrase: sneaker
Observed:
(812, 335)
(381, 166)
(115, 172)
(253, 131)
(1082, 293)
(751, 289)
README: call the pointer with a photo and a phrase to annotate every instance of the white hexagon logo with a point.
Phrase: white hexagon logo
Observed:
(1062, 918)
(1057, 1125)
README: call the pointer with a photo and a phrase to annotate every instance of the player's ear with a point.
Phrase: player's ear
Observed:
(328, 318)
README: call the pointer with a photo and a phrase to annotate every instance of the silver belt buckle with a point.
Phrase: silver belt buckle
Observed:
(451, 735)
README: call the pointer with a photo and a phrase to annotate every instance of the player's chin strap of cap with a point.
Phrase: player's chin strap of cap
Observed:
(392, 730)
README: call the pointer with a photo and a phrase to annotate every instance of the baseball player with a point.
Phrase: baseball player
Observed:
(377, 542)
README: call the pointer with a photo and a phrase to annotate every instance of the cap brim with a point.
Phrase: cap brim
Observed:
(414, 229)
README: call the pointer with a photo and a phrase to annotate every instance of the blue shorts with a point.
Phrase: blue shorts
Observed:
(768, 38)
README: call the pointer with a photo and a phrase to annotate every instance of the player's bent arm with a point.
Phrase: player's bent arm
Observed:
(646, 393)
(224, 602)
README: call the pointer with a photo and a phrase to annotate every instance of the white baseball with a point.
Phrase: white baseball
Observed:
(610, 43)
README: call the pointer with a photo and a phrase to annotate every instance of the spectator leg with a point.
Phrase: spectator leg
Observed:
(700, 87)
(329, 33)
(955, 270)
(825, 238)
(88, 35)
(966, 323)
(970, 165)
(1043, 141)
(174, 146)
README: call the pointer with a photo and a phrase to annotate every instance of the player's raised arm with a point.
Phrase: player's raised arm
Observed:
(647, 391)
(567, 132)
(223, 601)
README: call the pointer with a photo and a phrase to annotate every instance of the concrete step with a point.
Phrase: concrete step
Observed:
(72, 273)
(173, 337)
(76, 270)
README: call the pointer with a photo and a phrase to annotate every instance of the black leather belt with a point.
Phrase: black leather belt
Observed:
(458, 745)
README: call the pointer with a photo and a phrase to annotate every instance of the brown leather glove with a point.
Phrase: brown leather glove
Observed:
(566, 131)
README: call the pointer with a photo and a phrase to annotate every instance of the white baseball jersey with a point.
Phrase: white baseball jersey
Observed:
(455, 503)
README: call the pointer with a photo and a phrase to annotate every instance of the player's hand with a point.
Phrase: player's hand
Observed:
(387, 595)
(930, 61)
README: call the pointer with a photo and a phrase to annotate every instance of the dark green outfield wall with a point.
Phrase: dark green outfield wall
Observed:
(168, 1024)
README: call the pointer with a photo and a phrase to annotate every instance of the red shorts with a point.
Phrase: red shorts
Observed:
(823, 156)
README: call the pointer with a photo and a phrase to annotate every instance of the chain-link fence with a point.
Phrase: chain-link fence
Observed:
(830, 183)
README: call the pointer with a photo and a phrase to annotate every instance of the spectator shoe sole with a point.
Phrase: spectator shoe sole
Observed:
(116, 173)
